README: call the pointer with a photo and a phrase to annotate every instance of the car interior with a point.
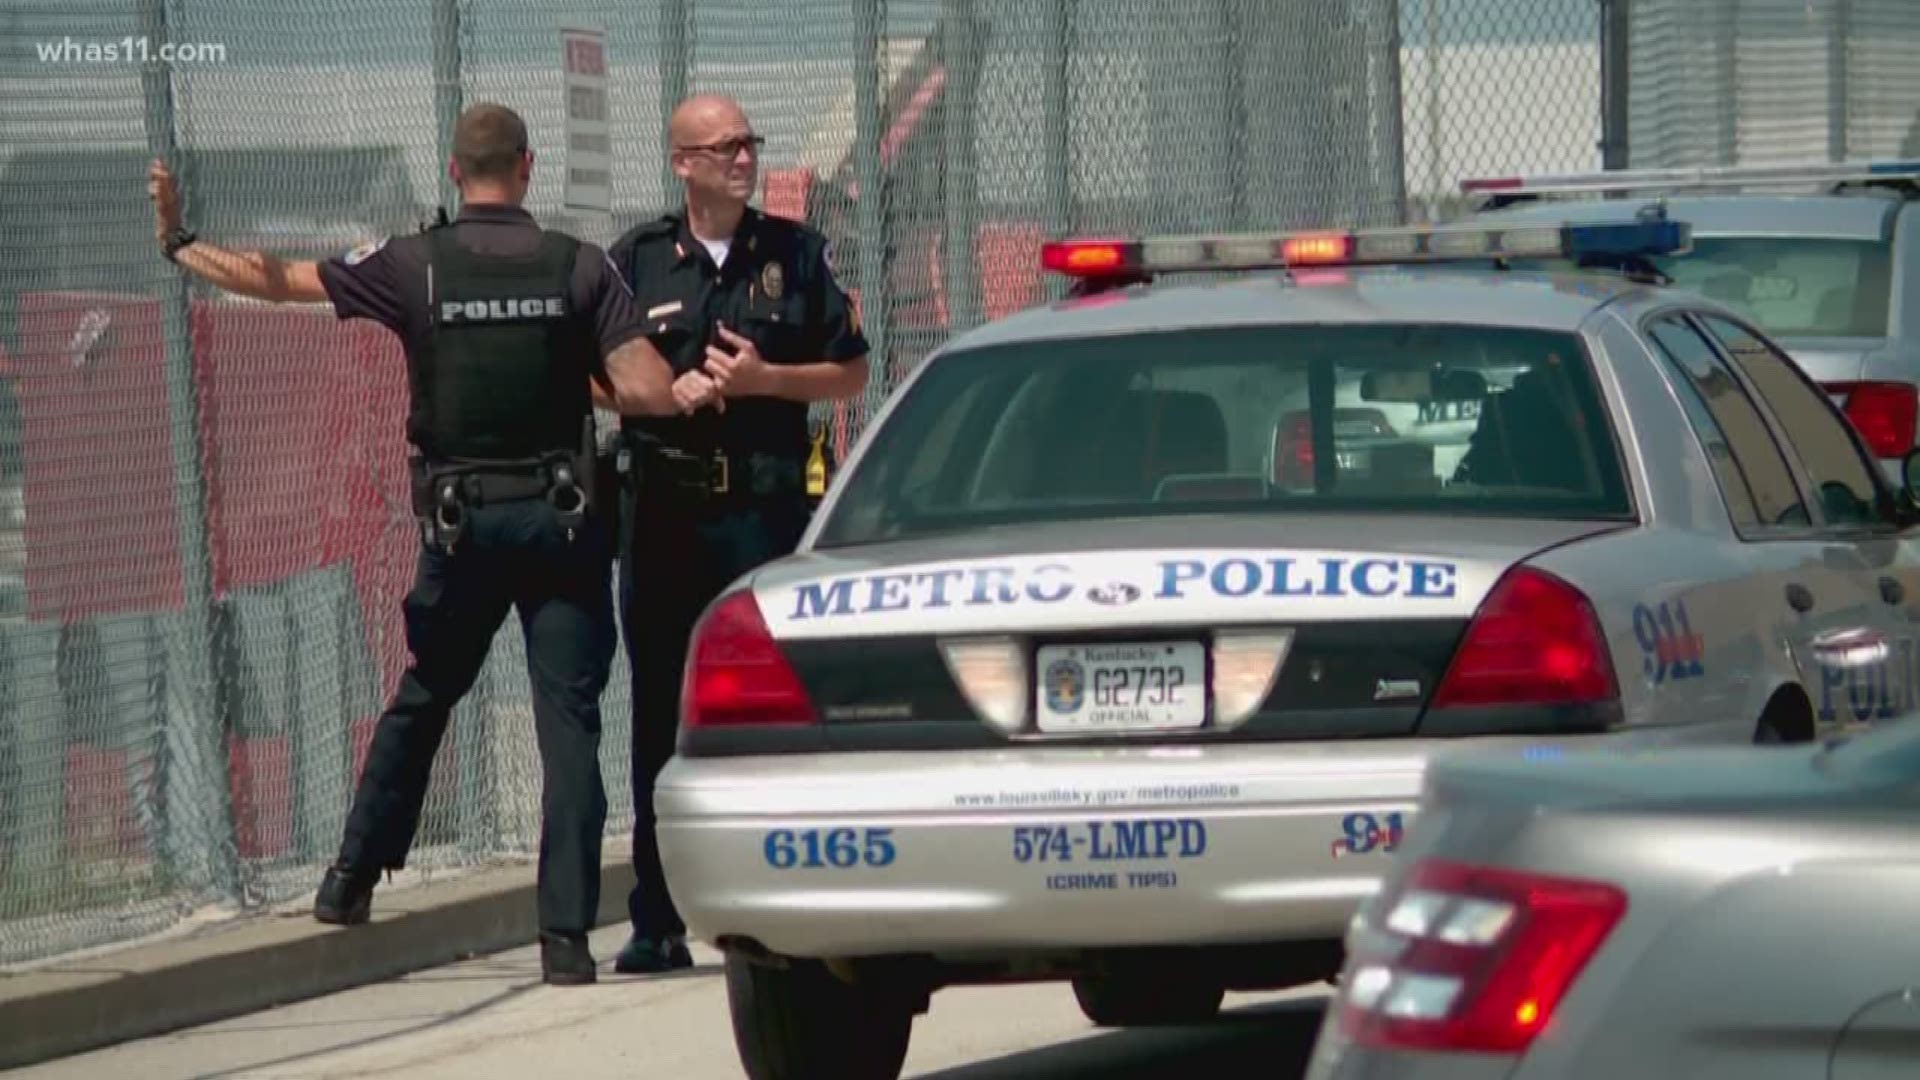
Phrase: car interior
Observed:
(1528, 436)
(1140, 444)
(1124, 447)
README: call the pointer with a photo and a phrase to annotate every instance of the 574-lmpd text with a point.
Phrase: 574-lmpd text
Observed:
(1145, 839)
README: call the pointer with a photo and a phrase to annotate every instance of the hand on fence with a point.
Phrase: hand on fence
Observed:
(166, 199)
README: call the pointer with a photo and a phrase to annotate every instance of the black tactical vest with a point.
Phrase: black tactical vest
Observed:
(504, 373)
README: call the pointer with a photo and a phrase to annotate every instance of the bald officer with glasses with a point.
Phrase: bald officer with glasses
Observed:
(747, 313)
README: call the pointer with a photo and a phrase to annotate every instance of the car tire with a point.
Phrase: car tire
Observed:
(1145, 1001)
(1786, 721)
(800, 1022)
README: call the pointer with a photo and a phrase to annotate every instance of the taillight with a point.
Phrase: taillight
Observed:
(1535, 640)
(736, 673)
(1884, 413)
(1471, 958)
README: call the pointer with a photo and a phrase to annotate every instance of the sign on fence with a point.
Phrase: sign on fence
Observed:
(589, 160)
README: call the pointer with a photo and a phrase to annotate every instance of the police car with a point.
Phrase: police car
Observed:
(1822, 258)
(1117, 652)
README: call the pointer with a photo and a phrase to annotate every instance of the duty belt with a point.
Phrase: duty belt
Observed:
(710, 474)
(444, 491)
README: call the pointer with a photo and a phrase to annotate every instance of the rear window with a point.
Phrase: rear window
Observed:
(1792, 286)
(1446, 419)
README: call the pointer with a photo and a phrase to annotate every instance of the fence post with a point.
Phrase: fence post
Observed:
(673, 87)
(1394, 139)
(446, 91)
(1723, 31)
(200, 846)
(1233, 28)
(470, 729)
(869, 209)
(1616, 53)
(961, 179)
(1056, 152)
(1837, 25)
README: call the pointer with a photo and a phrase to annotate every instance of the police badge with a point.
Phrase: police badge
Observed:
(772, 280)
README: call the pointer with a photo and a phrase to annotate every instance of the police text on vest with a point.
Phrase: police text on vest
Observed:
(530, 307)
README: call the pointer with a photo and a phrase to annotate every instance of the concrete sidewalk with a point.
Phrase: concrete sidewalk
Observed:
(267, 960)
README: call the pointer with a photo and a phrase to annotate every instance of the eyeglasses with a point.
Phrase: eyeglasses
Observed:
(730, 148)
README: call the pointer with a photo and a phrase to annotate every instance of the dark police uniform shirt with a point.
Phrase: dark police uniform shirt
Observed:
(774, 289)
(386, 281)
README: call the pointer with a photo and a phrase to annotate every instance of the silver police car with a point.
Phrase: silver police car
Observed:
(1830, 272)
(1119, 649)
(1696, 913)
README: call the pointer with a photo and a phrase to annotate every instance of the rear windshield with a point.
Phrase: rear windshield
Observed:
(1446, 419)
(1792, 286)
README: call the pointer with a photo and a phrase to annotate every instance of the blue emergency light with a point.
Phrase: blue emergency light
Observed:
(1650, 236)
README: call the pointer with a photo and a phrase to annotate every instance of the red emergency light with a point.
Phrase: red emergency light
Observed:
(1090, 258)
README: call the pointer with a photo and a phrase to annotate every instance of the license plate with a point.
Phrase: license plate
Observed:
(1157, 686)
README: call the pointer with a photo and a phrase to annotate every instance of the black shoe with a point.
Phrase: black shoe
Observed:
(650, 956)
(565, 959)
(345, 898)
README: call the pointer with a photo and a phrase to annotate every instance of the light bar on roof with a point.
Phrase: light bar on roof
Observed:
(1670, 179)
(1096, 258)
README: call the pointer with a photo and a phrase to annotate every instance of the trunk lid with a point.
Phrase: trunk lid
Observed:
(1374, 606)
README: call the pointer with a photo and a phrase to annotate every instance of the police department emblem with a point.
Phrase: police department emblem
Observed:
(773, 280)
(1066, 686)
(363, 252)
(1114, 593)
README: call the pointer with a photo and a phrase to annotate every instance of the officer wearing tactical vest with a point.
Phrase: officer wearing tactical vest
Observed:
(511, 334)
(746, 303)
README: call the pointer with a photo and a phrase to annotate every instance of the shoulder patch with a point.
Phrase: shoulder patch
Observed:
(363, 252)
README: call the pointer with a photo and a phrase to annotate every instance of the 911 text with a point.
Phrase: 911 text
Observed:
(1671, 648)
(1362, 833)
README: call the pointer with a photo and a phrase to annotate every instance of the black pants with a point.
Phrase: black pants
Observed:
(679, 554)
(514, 555)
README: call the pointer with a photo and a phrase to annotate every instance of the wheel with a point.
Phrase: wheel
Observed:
(800, 1022)
(1142, 1000)
(1787, 720)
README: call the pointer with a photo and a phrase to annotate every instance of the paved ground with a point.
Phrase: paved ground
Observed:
(492, 1017)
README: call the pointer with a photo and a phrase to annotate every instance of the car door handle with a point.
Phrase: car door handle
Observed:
(1800, 597)
(1892, 591)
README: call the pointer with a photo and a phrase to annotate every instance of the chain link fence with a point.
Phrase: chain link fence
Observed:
(204, 532)
(1763, 82)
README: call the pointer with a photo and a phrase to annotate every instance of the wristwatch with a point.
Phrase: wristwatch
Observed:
(176, 240)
